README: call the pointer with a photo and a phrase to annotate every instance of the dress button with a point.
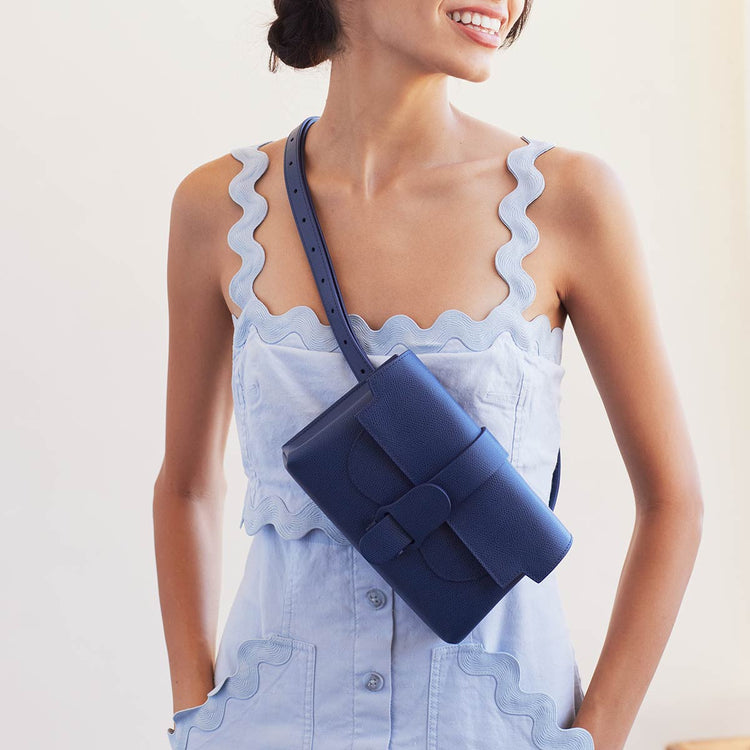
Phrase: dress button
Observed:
(374, 681)
(376, 597)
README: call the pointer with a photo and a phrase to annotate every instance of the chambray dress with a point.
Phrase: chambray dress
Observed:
(318, 650)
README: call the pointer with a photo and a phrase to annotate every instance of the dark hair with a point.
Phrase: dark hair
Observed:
(517, 27)
(305, 33)
(308, 32)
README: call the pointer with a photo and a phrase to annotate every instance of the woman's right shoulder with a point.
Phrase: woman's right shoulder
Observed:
(201, 198)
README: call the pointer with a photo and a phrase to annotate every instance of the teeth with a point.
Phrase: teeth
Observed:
(476, 19)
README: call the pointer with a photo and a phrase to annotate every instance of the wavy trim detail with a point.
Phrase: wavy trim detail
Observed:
(534, 336)
(272, 509)
(510, 698)
(242, 684)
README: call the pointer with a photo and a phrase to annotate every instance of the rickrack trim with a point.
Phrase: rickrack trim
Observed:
(535, 336)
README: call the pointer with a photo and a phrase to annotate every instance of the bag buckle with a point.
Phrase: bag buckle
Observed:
(409, 519)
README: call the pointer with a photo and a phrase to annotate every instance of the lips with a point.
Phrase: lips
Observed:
(476, 34)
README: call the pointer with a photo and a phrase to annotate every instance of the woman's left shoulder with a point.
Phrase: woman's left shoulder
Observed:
(582, 188)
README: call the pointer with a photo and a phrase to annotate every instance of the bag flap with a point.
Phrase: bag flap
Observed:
(414, 419)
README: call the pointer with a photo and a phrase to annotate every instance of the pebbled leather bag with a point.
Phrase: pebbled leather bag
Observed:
(425, 495)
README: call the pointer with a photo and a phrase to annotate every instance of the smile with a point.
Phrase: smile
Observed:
(476, 20)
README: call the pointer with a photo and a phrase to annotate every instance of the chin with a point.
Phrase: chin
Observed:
(464, 70)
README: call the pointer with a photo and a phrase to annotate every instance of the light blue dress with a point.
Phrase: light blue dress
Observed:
(318, 650)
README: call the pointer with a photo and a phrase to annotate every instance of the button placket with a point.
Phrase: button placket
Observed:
(372, 656)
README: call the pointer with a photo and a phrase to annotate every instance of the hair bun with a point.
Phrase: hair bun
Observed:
(304, 34)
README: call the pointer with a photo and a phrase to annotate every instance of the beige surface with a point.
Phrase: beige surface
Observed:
(735, 743)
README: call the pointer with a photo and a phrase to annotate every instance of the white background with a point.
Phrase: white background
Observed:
(106, 107)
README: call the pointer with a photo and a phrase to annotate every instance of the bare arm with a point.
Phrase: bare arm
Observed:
(609, 300)
(190, 488)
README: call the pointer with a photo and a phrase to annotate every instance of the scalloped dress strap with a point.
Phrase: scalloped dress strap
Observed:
(524, 240)
(524, 232)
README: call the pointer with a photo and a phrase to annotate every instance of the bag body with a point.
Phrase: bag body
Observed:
(425, 495)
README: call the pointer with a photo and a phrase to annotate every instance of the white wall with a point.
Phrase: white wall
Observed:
(106, 107)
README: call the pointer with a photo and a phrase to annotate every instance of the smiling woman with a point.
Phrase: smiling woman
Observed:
(470, 246)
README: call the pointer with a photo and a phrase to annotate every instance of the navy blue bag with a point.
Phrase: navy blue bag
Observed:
(426, 496)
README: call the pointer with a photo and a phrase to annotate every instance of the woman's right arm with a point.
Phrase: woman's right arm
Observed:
(190, 488)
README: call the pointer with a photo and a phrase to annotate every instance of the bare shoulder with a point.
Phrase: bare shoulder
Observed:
(201, 203)
(202, 213)
(587, 210)
(582, 190)
(584, 195)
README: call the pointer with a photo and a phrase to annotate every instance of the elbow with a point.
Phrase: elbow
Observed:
(684, 504)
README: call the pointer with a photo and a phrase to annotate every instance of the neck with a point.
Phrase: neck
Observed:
(380, 122)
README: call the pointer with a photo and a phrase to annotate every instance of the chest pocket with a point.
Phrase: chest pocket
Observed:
(503, 406)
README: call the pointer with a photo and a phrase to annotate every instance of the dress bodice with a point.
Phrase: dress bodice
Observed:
(286, 369)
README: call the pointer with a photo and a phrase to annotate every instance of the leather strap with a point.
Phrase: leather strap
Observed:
(317, 251)
(315, 246)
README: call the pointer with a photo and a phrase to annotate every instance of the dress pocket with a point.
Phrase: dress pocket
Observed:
(267, 702)
(476, 701)
(503, 408)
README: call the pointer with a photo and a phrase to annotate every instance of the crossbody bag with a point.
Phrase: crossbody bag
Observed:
(426, 495)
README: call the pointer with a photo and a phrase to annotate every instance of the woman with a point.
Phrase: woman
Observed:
(428, 214)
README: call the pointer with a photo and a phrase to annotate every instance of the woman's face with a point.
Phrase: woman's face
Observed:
(425, 35)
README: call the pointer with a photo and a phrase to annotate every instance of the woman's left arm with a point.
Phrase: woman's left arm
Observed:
(608, 297)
